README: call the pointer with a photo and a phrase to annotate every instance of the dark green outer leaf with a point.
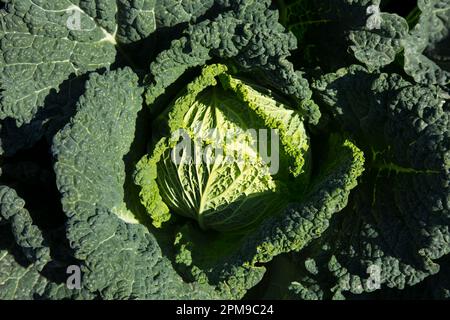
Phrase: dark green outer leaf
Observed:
(427, 52)
(25, 261)
(398, 218)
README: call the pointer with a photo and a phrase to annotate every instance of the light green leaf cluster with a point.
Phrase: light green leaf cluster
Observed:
(230, 187)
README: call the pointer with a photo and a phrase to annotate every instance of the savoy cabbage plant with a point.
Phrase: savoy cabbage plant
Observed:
(224, 149)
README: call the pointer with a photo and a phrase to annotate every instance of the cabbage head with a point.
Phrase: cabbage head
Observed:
(220, 165)
(228, 181)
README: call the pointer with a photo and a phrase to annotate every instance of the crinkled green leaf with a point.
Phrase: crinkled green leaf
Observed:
(27, 236)
(427, 50)
(379, 41)
(328, 30)
(40, 49)
(396, 223)
(247, 32)
(25, 260)
(45, 45)
(170, 13)
(324, 29)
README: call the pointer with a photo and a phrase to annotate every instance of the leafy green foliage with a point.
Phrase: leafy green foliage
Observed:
(391, 225)
(25, 255)
(102, 231)
(37, 58)
(249, 33)
(94, 92)
(237, 186)
(236, 204)
(426, 49)
(334, 34)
